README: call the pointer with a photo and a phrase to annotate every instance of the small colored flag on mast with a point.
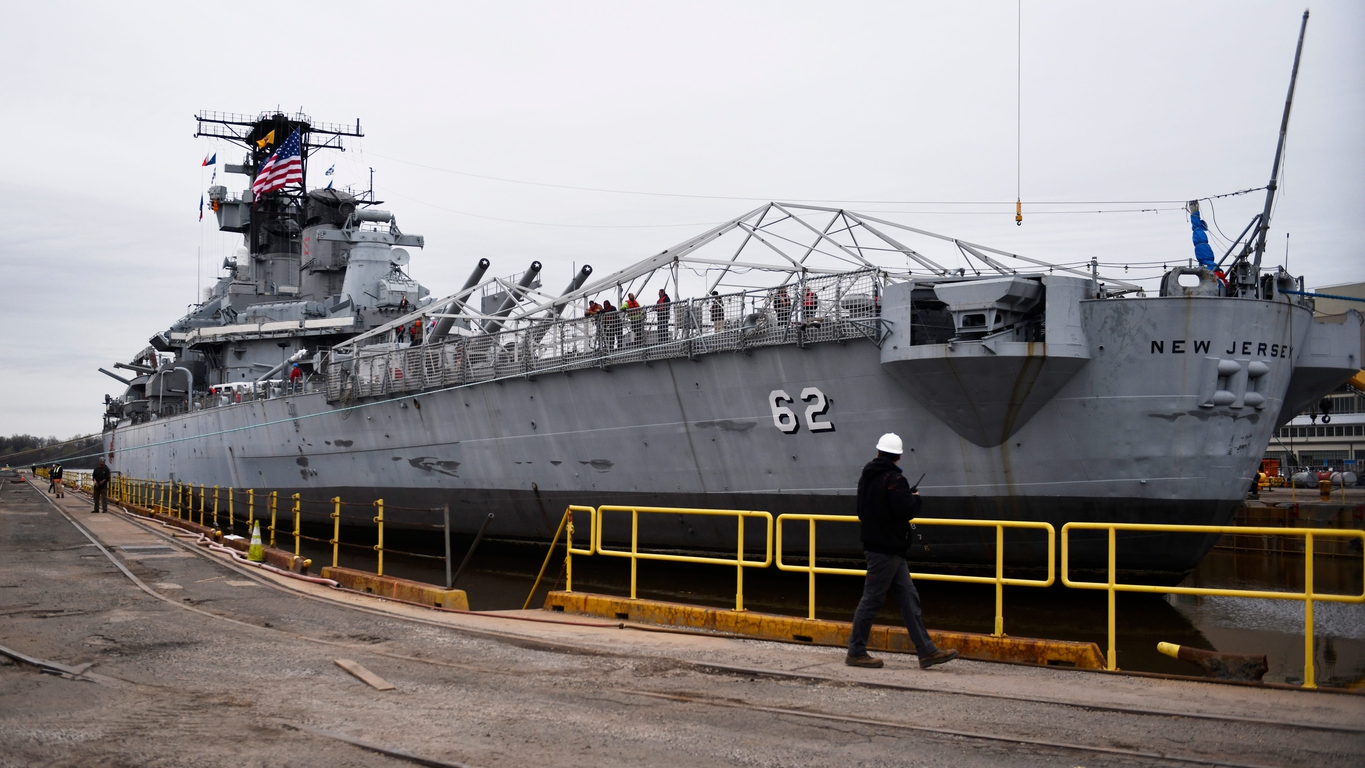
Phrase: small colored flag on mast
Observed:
(210, 160)
(266, 141)
(201, 206)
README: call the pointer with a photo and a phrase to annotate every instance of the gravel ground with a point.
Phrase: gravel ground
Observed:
(227, 669)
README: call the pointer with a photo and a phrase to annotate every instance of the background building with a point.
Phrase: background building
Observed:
(1306, 440)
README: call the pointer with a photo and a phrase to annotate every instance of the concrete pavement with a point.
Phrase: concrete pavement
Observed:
(215, 664)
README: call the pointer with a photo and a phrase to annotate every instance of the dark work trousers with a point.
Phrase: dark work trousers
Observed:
(100, 496)
(888, 573)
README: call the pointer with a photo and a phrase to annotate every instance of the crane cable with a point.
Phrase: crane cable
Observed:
(1018, 114)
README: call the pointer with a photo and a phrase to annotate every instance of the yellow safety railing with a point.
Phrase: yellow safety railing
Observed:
(636, 555)
(335, 541)
(380, 546)
(274, 496)
(999, 579)
(1308, 596)
(297, 529)
(569, 550)
(565, 523)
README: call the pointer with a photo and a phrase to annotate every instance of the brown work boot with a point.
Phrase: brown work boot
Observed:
(863, 661)
(941, 656)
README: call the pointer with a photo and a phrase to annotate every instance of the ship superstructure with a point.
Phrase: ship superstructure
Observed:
(315, 268)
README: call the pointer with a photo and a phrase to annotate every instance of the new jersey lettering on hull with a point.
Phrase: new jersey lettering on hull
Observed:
(1202, 346)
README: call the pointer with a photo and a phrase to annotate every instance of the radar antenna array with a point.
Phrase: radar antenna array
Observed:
(255, 134)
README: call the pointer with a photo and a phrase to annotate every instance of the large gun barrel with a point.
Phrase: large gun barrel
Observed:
(509, 303)
(444, 324)
(115, 376)
(558, 307)
(142, 369)
(574, 284)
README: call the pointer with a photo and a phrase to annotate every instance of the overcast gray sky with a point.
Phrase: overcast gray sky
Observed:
(904, 101)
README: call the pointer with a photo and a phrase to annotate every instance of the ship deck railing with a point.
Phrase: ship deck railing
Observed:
(844, 307)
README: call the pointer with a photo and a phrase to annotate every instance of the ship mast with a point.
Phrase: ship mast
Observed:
(252, 132)
(1264, 227)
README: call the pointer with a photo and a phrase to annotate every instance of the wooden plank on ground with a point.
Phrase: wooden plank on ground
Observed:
(366, 676)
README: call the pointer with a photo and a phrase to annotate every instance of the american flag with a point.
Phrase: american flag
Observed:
(283, 167)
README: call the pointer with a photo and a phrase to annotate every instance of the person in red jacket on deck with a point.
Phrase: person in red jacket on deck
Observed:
(661, 308)
(594, 311)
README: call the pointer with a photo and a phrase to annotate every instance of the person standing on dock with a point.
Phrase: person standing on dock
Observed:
(101, 485)
(54, 480)
(886, 504)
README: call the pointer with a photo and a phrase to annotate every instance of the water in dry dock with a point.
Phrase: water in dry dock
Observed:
(501, 573)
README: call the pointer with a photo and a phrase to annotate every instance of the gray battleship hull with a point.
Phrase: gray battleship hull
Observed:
(1126, 434)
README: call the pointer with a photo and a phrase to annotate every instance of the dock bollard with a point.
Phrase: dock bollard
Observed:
(1325, 490)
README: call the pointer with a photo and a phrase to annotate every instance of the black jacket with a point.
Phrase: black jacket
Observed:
(885, 506)
(101, 474)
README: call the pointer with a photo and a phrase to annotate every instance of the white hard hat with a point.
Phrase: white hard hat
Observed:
(890, 443)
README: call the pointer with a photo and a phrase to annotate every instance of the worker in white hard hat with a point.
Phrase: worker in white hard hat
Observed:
(886, 504)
